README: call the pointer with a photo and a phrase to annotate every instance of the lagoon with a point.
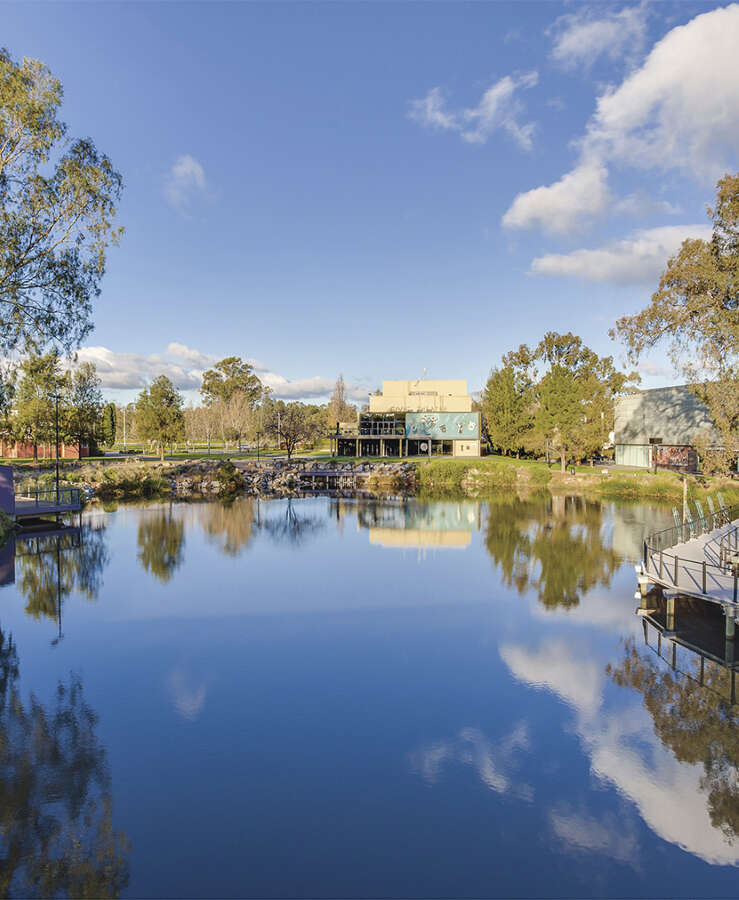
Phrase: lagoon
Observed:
(355, 698)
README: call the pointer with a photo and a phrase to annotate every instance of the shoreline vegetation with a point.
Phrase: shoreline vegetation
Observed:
(120, 480)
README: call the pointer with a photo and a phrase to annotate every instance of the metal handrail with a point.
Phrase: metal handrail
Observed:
(52, 495)
(668, 537)
(728, 548)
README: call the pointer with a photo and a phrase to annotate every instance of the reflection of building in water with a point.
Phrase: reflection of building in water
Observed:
(689, 636)
(415, 524)
(632, 523)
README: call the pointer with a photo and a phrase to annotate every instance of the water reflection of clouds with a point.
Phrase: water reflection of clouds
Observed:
(609, 835)
(625, 752)
(493, 762)
(188, 695)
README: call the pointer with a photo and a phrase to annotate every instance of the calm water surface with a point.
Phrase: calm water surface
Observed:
(355, 699)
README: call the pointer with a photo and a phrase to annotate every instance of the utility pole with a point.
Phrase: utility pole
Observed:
(279, 431)
(124, 429)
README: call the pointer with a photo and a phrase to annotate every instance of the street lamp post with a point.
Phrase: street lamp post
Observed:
(56, 430)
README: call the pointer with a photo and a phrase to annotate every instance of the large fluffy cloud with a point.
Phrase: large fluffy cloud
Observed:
(499, 109)
(678, 111)
(639, 258)
(184, 366)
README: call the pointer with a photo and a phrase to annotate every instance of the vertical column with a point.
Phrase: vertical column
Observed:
(730, 624)
(670, 614)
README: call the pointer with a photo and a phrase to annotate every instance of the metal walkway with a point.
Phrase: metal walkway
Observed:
(698, 558)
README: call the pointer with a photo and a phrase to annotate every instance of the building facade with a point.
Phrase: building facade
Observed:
(661, 426)
(413, 418)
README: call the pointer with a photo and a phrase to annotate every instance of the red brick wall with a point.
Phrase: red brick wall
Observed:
(21, 450)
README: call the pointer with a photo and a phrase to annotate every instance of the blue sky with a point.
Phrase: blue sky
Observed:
(381, 189)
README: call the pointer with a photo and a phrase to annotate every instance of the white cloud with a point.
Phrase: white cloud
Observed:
(188, 698)
(493, 762)
(639, 258)
(136, 370)
(580, 38)
(499, 108)
(606, 837)
(186, 178)
(563, 206)
(184, 366)
(678, 111)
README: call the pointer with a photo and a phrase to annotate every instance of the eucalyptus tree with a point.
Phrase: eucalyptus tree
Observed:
(695, 313)
(57, 208)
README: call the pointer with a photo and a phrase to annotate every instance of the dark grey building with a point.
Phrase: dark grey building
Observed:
(662, 423)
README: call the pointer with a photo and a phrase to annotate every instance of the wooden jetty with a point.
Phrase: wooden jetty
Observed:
(698, 558)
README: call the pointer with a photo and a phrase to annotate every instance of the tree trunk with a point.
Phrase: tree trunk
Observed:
(563, 461)
(161, 450)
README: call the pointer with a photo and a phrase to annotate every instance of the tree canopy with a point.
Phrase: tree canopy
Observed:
(57, 206)
(557, 396)
(695, 313)
(228, 377)
(159, 415)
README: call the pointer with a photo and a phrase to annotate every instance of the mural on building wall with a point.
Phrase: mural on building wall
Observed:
(442, 425)
(677, 457)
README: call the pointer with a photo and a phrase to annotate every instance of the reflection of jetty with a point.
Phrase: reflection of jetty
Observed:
(699, 559)
(697, 627)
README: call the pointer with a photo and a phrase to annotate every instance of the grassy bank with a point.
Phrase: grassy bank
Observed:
(478, 476)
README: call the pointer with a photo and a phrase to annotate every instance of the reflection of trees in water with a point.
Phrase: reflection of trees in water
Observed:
(229, 525)
(54, 566)
(291, 527)
(56, 831)
(697, 723)
(553, 546)
(161, 541)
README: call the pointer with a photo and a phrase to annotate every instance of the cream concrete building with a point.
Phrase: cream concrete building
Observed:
(413, 418)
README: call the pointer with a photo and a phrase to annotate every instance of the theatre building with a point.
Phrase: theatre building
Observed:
(412, 418)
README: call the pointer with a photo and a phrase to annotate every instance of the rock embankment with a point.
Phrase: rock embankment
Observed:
(283, 478)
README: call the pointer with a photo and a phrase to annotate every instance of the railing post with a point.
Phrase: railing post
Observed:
(676, 565)
(736, 578)
(660, 564)
(704, 576)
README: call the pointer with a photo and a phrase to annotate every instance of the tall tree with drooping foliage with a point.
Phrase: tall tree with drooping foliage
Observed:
(695, 313)
(57, 208)
(159, 415)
